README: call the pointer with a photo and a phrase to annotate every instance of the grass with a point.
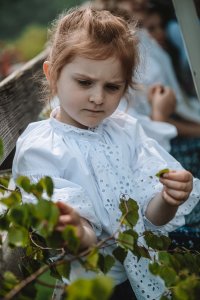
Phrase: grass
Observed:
(43, 292)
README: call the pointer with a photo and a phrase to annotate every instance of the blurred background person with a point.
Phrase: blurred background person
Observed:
(157, 77)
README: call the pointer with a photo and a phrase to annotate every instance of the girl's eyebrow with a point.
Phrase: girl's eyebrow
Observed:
(94, 79)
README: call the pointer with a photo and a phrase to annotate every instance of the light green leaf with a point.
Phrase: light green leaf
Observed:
(188, 289)
(12, 200)
(99, 288)
(24, 183)
(161, 172)
(47, 214)
(64, 269)
(48, 184)
(129, 209)
(168, 275)
(70, 236)
(4, 180)
(92, 259)
(18, 236)
(125, 241)
(10, 277)
(154, 268)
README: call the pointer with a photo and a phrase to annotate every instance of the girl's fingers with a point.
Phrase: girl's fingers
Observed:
(177, 185)
(64, 208)
(170, 200)
(177, 195)
(65, 219)
(182, 176)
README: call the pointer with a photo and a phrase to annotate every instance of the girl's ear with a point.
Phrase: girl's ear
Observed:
(46, 69)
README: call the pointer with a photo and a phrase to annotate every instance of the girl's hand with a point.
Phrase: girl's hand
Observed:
(68, 216)
(177, 186)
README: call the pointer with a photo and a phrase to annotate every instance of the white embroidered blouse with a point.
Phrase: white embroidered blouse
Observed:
(91, 169)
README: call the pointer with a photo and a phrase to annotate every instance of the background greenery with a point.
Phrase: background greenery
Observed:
(23, 24)
(15, 15)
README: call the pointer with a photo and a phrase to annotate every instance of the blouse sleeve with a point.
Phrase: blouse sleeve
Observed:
(71, 194)
(148, 160)
(43, 159)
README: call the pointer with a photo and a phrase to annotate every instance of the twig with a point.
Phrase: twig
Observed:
(41, 282)
(6, 189)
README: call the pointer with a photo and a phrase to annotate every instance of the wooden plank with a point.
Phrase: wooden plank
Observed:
(19, 102)
(189, 23)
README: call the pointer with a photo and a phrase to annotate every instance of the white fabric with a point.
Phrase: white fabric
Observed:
(156, 67)
(91, 169)
(138, 107)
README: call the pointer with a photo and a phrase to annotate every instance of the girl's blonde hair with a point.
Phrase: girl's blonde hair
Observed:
(94, 34)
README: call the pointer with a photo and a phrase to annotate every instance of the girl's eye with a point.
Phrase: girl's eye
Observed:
(84, 83)
(112, 87)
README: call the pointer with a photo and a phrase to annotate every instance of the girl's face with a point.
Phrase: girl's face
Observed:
(89, 90)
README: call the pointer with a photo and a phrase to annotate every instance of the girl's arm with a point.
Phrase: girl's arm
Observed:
(177, 188)
(186, 128)
(84, 230)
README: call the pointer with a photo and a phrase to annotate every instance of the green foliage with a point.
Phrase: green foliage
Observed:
(32, 226)
(16, 15)
(180, 272)
(31, 42)
(94, 289)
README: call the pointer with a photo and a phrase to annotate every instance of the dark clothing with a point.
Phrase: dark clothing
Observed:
(123, 291)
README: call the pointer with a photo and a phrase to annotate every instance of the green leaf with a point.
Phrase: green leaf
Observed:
(125, 241)
(90, 289)
(10, 278)
(12, 200)
(18, 236)
(24, 182)
(156, 242)
(120, 254)
(92, 259)
(4, 181)
(161, 172)
(188, 289)
(141, 252)
(64, 269)
(105, 263)
(48, 185)
(168, 275)
(129, 209)
(69, 235)
(154, 268)
(20, 216)
(47, 214)
(44, 184)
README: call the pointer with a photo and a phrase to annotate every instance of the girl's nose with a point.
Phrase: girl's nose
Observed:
(97, 97)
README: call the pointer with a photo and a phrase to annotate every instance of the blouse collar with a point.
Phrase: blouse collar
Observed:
(70, 128)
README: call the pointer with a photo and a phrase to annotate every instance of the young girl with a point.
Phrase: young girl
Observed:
(94, 153)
